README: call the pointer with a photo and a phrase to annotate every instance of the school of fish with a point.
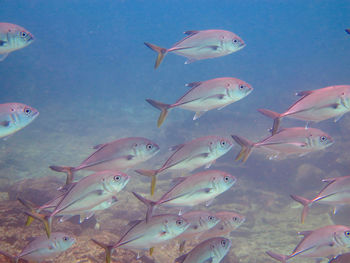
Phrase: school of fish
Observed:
(111, 161)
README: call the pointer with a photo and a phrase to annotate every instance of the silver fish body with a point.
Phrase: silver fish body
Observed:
(43, 248)
(116, 155)
(287, 141)
(323, 242)
(335, 193)
(14, 117)
(195, 189)
(206, 95)
(212, 250)
(202, 44)
(316, 105)
(13, 37)
(229, 221)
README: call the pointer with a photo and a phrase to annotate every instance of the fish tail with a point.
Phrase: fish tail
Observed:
(305, 202)
(247, 147)
(273, 115)
(65, 169)
(161, 53)
(32, 207)
(150, 205)
(279, 257)
(107, 248)
(150, 173)
(162, 107)
(47, 220)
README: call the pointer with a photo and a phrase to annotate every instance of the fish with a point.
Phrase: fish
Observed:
(200, 221)
(206, 95)
(191, 155)
(288, 141)
(84, 195)
(229, 221)
(212, 250)
(14, 117)
(203, 44)
(343, 258)
(324, 242)
(146, 235)
(201, 187)
(43, 248)
(335, 193)
(13, 37)
(315, 106)
(117, 155)
(347, 30)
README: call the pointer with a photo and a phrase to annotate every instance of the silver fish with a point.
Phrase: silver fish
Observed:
(315, 106)
(287, 141)
(210, 251)
(202, 44)
(117, 155)
(206, 95)
(145, 235)
(43, 248)
(323, 242)
(14, 117)
(200, 221)
(191, 155)
(13, 37)
(192, 190)
(85, 195)
(229, 221)
(335, 193)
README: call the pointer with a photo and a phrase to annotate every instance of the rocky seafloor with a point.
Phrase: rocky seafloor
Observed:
(261, 192)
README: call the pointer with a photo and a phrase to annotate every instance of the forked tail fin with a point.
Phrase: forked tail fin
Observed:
(161, 53)
(65, 169)
(32, 207)
(107, 248)
(46, 219)
(279, 257)
(273, 115)
(150, 205)
(246, 150)
(162, 107)
(305, 202)
(150, 173)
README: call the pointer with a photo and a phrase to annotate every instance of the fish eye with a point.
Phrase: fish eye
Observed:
(222, 143)
(347, 233)
(116, 177)
(241, 87)
(65, 238)
(223, 243)
(149, 146)
(226, 178)
(210, 218)
(235, 218)
(23, 34)
(27, 110)
(323, 138)
(179, 222)
(235, 41)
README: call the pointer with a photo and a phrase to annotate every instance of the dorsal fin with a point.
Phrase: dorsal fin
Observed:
(191, 32)
(181, 259)
(304, 93)
(98, 146)
(329, 180)
(305, 233)
(176, 147)
(193, 84)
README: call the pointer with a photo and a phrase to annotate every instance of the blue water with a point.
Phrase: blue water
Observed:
(89, 73)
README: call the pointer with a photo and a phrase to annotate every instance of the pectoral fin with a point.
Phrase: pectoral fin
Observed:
(198, 114)
(190, 60)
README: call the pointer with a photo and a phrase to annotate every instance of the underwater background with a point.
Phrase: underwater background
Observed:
(89, 73)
